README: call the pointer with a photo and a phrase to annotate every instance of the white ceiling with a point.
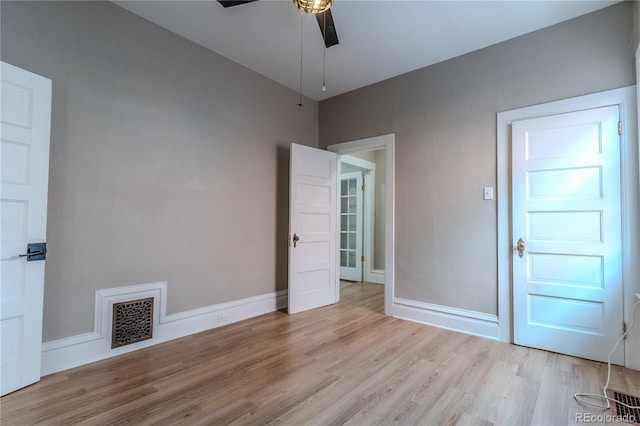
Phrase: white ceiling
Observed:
(378, 39)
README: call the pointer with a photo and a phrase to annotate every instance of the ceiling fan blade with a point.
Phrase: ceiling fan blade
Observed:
(230, 3)
(325, 21)
(331, 37)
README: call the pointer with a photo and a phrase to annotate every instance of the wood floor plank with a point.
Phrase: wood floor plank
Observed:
(341, 364)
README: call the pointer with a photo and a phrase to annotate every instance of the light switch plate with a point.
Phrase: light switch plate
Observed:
(638, 296)
(487, 193)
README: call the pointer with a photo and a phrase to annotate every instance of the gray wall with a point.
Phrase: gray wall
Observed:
(444, 119)
(168, 162)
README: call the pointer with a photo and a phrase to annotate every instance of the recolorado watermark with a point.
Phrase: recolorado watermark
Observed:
(604, 418)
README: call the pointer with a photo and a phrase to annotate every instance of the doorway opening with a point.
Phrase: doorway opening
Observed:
(367, 256)
(362, 213)
(361, 230)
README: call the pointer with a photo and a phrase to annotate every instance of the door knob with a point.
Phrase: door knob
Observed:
(35, 251)
(521, 245)
(295, 240)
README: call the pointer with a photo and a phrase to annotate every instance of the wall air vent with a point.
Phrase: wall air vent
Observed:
(132, 322)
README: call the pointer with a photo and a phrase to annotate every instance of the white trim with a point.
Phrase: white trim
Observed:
(74, 351)
(460, 320)
(369, 224)
(375, 276)
(381, 142)
(357, 162)
(107, 297)
(626, 98)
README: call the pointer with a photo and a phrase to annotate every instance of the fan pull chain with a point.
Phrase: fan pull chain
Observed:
(301, 33)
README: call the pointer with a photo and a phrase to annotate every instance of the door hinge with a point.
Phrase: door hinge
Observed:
(362, 259)
(620, 127)
(362, 188)
(624, 327)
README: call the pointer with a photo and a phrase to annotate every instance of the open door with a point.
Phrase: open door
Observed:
(25, 118)
(313, 214)
(351, 218)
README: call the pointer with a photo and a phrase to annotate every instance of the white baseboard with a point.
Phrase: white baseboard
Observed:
(74, 351)
(469, 322)
(375, 276)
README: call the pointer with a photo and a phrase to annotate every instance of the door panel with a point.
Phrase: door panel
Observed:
(25, 115)
(312, 228)
(567, 210)
(351, 226)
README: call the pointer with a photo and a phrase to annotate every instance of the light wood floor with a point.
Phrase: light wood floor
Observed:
(364, 295)
(334, 365)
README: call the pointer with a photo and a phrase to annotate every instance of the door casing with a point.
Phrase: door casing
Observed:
(625, 98)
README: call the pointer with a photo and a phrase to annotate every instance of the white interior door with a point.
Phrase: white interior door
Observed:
(567, 285)
(25, 115)
(312, 228)
(351, 226)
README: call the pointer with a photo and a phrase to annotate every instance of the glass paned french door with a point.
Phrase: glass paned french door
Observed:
(351, 226)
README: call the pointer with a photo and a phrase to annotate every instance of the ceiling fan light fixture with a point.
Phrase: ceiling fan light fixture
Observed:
(313, 6)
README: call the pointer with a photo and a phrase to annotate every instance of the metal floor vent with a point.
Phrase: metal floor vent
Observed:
(132, 322)
(631, 415)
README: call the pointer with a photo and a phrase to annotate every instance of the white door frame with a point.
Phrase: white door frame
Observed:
(638, 109)
(381, 142)
(625, 98)
(371, 275)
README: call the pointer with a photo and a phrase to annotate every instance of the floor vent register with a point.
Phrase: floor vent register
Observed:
(132, 322)
(631, 415)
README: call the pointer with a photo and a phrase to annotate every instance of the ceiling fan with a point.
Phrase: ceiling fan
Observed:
(325, 21)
